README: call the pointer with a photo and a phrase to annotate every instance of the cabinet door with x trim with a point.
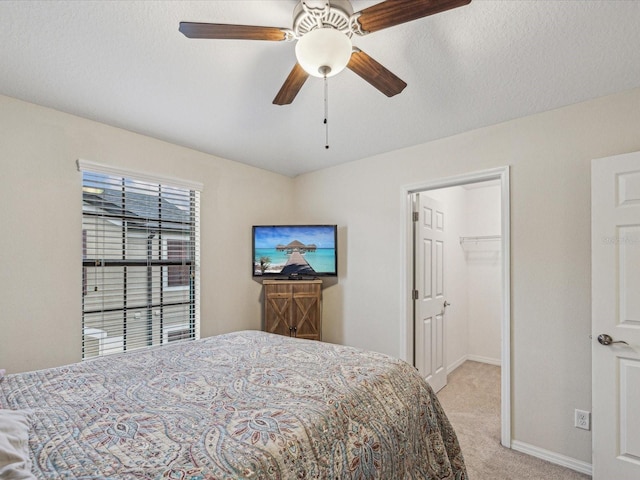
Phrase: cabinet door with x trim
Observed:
(293, 308)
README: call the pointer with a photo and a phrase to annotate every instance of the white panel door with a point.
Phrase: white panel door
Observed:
(615, 247)
(429, 283)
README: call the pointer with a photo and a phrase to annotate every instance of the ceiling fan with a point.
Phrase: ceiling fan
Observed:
(323, 34)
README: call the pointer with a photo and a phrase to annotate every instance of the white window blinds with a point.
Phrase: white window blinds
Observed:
(140, 262)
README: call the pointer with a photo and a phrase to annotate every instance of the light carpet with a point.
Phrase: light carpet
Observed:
(471, 400)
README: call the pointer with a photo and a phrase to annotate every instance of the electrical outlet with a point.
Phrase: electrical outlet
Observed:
(582, 419)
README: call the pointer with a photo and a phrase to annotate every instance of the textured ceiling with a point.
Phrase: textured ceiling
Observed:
(125, 64)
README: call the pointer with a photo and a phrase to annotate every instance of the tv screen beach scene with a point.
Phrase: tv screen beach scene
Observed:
(294, 250)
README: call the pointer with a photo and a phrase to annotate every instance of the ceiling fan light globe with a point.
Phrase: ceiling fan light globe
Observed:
(323, 47)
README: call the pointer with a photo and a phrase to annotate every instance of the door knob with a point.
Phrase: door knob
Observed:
(605, 339)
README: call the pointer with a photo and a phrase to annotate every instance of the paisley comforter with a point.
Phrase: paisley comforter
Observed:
(245, 405)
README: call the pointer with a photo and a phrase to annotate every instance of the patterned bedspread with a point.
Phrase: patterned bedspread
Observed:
(245, 405)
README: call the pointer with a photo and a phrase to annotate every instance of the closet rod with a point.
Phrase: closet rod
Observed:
(480, 239)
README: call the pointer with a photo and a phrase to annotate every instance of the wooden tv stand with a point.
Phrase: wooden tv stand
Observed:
(293, 308)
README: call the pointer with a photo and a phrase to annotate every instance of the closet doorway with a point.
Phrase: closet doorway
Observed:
(458, 278)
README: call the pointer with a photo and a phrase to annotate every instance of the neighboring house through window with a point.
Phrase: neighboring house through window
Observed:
(177, 275)
(140, 261)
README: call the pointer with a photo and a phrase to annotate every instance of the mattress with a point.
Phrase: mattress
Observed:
(244, 405)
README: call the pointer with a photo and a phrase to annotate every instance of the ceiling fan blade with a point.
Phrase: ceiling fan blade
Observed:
(291, 86)
(232, 32)
(375, 73)
(394, 12)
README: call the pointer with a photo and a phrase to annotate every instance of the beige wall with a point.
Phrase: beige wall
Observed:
(41, 218)
(549, 155)
(484, 270)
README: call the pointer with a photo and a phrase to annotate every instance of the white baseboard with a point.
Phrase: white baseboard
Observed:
(456, 364)
(474, 358)
(490, 361)
(553, 457)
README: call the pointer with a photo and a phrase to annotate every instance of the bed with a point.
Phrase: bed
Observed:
(244, 405)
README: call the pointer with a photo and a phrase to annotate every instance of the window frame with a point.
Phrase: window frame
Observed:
(190, 237)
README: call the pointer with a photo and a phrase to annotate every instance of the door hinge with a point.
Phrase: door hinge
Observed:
(414, 295)
(415, 216)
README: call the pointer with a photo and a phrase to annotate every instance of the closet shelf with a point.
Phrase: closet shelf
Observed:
(486, 238)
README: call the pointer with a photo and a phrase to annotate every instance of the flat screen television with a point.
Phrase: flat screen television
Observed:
(295, 251)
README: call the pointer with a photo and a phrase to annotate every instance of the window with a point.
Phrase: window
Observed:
(140, 261)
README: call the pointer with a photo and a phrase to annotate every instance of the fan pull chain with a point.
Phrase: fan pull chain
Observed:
(326, 111)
